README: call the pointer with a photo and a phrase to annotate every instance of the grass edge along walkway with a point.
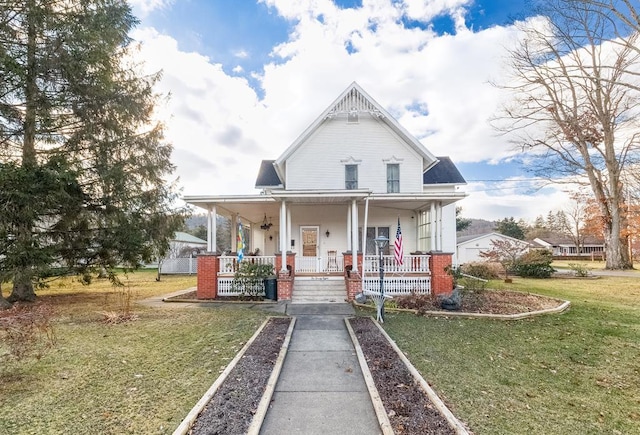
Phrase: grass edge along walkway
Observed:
(577, 372)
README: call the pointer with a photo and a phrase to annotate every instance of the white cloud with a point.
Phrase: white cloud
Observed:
(142, 8)
(437, 86)
(241, 54)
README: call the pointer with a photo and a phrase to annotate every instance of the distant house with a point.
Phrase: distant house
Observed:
(468, 248)
(351, 178)
(182, 255)
(184, 245)
(561, 246)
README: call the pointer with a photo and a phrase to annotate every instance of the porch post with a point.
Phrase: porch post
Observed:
(354, 235)
(234, 233)
(432, 226)
(283, 235)
(212, 228)
(288, 234)
(348, 229)
(439, 226)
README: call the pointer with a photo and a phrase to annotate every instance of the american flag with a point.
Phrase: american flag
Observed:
(398, 250)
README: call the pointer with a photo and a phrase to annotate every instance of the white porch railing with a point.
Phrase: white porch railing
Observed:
(410, 264)
(225, 287)
(400, 285)
(319, 264)
(229, 264)
(179, 266)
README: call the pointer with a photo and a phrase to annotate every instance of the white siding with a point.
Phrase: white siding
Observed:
(317, 164)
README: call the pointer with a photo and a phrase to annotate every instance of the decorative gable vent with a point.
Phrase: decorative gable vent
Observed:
(352, 104)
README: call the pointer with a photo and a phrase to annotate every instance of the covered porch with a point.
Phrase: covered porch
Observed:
(319, 231)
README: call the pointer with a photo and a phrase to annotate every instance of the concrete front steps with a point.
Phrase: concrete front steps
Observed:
(318, 289)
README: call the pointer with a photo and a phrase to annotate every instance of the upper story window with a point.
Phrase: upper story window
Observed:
(393, 178)
(350, 177)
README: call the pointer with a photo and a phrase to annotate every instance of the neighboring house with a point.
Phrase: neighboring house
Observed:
(182, 254)
(469, 247)
(348, 179)
(561, 246)
(184, 245)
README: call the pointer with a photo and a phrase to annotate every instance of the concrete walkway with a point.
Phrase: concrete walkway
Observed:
(321, 389)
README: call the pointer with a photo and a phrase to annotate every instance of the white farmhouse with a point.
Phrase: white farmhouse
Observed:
(354, 175)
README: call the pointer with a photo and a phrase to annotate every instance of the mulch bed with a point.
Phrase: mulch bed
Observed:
(193, 295)
(232, 407)
(409, 409)
(486, 302)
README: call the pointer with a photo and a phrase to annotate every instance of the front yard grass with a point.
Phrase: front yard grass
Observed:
(574, 373)
(135, 377)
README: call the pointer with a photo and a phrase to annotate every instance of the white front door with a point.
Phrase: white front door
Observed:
(309, 261)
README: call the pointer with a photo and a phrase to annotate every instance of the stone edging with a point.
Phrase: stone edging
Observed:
(263, 406)
(191, 417)
(518, 316)
(454, 423)
(378, 407)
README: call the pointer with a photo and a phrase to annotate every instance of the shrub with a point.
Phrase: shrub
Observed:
(580, 270)
(485, 270)
(249, 278)
(535, 264)
(26, 331)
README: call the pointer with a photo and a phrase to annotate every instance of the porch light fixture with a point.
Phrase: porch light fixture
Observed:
(265, 224)
(327, 233)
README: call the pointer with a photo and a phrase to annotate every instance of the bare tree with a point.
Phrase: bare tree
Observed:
(577, 89)
(573, 220)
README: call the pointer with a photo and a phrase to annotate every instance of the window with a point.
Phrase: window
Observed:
(393, 178)
(351, 177)
(372, 233)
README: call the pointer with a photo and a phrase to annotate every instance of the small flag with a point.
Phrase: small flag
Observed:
(398, 249)
(240, 242)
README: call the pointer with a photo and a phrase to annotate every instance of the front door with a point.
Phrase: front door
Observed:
(309, 237)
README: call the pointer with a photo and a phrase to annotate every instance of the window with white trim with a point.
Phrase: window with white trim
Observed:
(350, 177)
(393, 178)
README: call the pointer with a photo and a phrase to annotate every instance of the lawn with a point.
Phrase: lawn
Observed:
(141, 376)
(574, 373)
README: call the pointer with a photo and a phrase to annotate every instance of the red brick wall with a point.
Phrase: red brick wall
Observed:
(354, 286)
(285, 286)
(441, 281)
(291, 261)
(285, 279)
(208, 265)
(348, 260)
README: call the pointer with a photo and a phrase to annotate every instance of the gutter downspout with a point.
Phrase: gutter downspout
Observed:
(364, 236)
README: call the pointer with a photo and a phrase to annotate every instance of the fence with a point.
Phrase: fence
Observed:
(400, 285)
(225, 288)
(173, 266)
(410, 264)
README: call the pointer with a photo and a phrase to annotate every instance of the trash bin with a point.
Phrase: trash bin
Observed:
(271, 288)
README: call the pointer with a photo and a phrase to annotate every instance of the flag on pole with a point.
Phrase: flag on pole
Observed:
(398, 249)
(240, 242)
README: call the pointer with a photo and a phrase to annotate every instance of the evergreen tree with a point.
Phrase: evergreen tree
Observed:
(461, 223)
(510, 227)
(82, 164)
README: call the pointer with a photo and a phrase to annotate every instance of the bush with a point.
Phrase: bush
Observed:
(249, 278)
(535, 264)
(26, 331)
(579, 270)
(485, 270)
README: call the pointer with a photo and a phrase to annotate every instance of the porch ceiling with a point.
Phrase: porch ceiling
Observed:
(252, 208)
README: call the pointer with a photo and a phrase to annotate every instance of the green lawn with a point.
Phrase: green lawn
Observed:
(137, 377)
(574, 373)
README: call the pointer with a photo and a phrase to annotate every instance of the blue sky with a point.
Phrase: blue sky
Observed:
(246, 77)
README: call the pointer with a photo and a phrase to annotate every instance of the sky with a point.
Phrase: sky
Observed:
(241, 79)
